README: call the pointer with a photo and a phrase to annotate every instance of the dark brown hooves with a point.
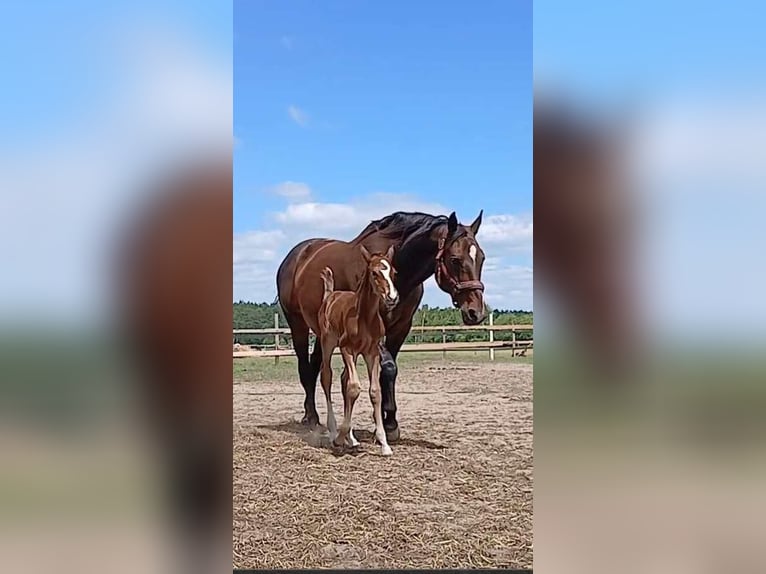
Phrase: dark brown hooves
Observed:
(310, 422)
(392, 435)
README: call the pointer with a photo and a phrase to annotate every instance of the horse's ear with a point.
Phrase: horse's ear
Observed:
(390, 253)
(365, 253)
(476, 224)
(452, 223)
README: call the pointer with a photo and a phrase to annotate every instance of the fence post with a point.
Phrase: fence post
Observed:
(513, 343)
(276, 337)
(444, 342)
(491, 336)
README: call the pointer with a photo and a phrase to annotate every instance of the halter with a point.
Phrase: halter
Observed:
(442, 271)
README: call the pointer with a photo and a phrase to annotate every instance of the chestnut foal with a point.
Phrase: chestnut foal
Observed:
(351, 320)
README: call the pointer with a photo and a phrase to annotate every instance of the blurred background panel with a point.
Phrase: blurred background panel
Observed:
(649, 195)
(115, 207)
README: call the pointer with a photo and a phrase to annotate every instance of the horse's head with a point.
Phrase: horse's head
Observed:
(381, 274)
(458, 268)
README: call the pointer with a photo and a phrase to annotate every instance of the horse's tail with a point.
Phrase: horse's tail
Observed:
(329, 282)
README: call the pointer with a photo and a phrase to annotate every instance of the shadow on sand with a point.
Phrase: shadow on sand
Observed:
(318, 437)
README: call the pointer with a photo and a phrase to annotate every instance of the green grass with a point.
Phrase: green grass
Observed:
(265, 369)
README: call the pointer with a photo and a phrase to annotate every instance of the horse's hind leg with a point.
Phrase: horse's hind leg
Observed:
(373, 370)
(350, 385)
(344, 385)
(326, 375)
(308, 375)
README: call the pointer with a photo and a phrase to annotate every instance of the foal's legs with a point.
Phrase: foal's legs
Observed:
(328, 346)
(350, 386)
(344, 385)
(373, 370)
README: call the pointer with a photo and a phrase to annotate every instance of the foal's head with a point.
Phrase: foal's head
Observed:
(381, 274)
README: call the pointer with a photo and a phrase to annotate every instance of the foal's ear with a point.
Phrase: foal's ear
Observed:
(476, 224)
(452, 223)
(365, 253)
(390, 253)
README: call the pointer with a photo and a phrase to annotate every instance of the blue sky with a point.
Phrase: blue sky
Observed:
(417, 104)
(98, 99)
(694, 72)
(641, 49)
(65, 62)
(348, 110)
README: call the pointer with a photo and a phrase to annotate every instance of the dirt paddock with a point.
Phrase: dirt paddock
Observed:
(457, 492)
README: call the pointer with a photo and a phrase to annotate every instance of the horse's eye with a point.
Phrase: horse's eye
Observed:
(455, 261)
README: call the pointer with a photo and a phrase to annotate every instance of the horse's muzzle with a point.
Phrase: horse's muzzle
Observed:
(472, 316)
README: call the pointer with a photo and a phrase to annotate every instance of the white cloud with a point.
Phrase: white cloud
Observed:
(687, 139)
(342, 218)
(256, 246)
(255, 282)
(259, 253)
(508, 286)
(491, 263)
(298, 115)
(507, 232)
(700, 181)
(291, 190)
(318, 215)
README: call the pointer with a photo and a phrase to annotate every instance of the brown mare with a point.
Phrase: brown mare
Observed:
(584, 253)
(173, 273)
(425, 245)
(351, 320)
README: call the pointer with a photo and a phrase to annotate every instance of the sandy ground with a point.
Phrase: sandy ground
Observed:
(457, 492)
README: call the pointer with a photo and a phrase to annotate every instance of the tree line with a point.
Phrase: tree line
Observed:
(249, 315)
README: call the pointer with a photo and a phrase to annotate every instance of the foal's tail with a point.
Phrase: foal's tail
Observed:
(329, 282)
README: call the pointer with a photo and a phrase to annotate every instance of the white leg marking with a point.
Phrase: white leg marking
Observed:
(375, 399)
(386, 271)
(352, 439)
(332, 426)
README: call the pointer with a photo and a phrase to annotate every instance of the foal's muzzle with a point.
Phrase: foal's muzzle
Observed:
(391, 303)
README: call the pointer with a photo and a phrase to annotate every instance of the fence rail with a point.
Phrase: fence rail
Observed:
(280, 350)
(415, 328)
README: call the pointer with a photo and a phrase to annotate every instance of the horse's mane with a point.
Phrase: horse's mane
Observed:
(402, 225)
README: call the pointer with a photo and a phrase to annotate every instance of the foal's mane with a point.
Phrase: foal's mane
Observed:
(404, 226)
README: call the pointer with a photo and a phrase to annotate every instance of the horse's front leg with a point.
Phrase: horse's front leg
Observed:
(344, 380)
(373, 370)
(350, 387)
(397, 329)
(328, 346)
(388, 372)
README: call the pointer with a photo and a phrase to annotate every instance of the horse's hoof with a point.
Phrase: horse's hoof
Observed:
(310, 422)
(392, 435)
(386, 451)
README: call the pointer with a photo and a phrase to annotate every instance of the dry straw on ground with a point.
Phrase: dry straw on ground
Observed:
(457, 492)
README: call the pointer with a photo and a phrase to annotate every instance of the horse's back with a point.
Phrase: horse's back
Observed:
(288, 269)
(308, 287)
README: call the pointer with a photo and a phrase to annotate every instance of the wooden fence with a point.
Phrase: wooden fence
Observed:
(282, 349)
